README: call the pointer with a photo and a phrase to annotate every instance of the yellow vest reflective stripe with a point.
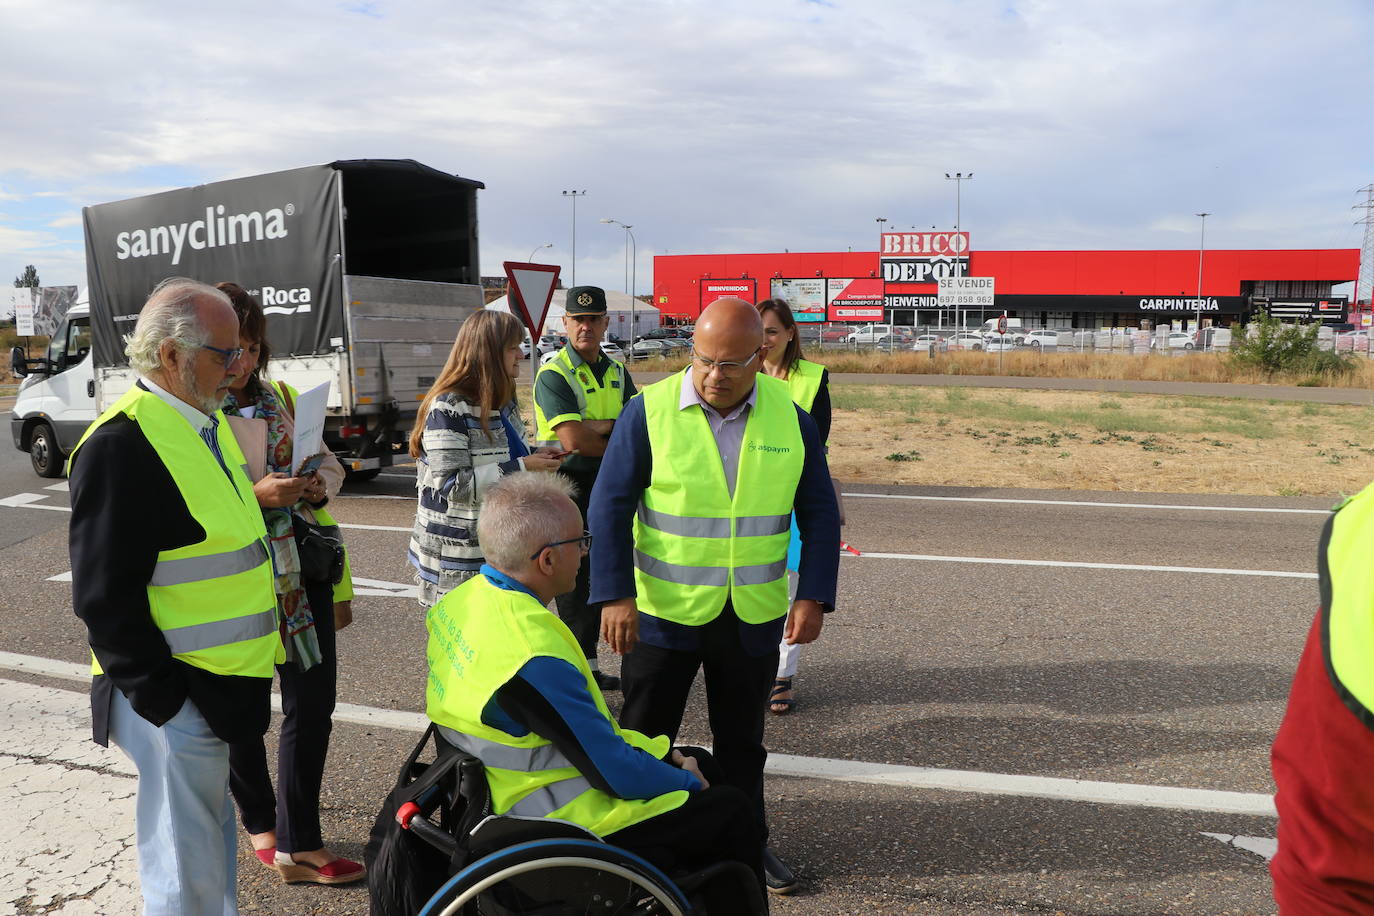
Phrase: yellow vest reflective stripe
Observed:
(697, 546)
(214, 600)
(480, 636)
(1347, 570)
(804, 383)
(595, 400)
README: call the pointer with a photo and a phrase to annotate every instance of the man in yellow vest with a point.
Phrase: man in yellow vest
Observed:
(577, 396)
(170, 574)
(692, 515)
(509, 684)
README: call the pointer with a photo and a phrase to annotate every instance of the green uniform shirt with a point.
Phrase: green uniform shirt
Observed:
(558, 402)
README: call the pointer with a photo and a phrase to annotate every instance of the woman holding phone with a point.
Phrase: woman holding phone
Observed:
(284, 826)
(467, 435)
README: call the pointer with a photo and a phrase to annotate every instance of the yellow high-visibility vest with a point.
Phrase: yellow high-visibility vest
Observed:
(696, 545)
(1346, 569)
(213, 600)
(480, 636)
(601, 400)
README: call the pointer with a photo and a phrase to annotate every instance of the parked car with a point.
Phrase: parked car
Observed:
(875, 334)
(659, 334)
(1041, 338)
(550, 343)
(643, 349)
(965, 340)
(999, 343)
(923, 343)
(1177, 340)
(612, 349)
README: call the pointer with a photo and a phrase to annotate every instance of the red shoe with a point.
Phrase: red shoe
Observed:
(339, 871)
(267, 856)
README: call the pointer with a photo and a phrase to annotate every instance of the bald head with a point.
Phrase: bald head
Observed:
(730, 332)
(729, 322)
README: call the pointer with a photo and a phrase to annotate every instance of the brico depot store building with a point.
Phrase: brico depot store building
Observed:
(1045, 289)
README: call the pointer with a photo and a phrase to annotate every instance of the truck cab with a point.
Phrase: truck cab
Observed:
(56, 400)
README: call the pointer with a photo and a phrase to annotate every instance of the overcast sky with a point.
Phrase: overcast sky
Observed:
(755, 125)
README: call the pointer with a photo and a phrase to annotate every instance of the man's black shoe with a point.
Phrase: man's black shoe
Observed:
(606, 681)
(776, 875)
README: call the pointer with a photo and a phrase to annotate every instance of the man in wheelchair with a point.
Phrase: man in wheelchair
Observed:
(509, 685)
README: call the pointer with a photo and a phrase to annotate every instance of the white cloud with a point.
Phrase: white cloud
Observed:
(723, 125)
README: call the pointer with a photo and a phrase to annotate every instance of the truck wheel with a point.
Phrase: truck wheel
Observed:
(44, 453)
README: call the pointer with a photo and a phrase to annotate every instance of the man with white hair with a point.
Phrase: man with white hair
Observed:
(170, 573)
(509, 684)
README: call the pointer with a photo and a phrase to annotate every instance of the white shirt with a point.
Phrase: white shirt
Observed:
(728, 430)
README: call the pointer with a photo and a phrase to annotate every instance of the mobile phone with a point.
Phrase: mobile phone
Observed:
(311, 465)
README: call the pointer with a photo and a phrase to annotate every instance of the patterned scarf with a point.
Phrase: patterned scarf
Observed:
(295, 619)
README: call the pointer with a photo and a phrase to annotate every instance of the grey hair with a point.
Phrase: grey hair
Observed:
(518, 515)
(170, 313)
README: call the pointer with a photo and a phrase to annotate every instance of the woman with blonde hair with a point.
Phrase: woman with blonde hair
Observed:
(467, 435)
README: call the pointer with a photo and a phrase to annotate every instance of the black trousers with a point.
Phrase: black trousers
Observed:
(713, 825)
(582, 618)
(307, 699)
(656, 683)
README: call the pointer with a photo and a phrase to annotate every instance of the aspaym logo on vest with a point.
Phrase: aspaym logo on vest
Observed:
(768, 449)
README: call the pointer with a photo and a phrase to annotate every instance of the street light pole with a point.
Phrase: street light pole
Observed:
(880, 220)
(574, 195)
(540, 248)
(958, 178)
(1201, 246)
(632, 249)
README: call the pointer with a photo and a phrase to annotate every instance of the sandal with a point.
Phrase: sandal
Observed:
(338, 871)
(777, 704)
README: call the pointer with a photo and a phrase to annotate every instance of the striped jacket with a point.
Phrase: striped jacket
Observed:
(458, 464)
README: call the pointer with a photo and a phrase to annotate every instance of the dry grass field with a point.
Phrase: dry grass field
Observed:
(1088, 440)
(1191, 367)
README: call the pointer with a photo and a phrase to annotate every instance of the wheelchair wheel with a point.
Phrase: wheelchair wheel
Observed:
(559, 878)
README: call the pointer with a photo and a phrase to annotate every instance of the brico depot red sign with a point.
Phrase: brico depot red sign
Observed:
(923, 245)
(923, 257)
(854, 300)
(740, 288)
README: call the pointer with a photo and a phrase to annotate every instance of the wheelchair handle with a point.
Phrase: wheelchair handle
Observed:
(422, 828)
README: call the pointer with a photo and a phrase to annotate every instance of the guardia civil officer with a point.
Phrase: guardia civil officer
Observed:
(577, 397)
(692, 516)
(1324, 752)
(170, 573)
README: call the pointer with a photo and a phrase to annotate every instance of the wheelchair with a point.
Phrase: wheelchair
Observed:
(507, 865)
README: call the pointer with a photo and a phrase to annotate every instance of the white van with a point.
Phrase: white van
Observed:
(56, 400)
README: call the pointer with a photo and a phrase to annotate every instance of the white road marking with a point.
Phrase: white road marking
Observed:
(30, 501)
(383, 589)
(1069, 564)
(60, 577)
(407, 528)
(1264, 846)
(835, 770)
(373, 496)
(60, 486)
(1073, 502)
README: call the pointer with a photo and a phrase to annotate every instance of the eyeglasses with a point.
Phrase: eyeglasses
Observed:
(727, 368)
(584, 542)
(230, 356)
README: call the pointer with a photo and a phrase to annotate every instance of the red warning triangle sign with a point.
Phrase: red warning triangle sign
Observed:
(530, 291)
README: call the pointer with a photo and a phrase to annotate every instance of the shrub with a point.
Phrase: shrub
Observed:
(1277, 347)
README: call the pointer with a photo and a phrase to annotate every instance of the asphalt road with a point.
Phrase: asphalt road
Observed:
(974, 643)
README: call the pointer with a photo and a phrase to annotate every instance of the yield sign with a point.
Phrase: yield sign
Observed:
(531, 289)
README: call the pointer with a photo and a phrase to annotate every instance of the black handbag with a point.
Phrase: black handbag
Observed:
(321, 550)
